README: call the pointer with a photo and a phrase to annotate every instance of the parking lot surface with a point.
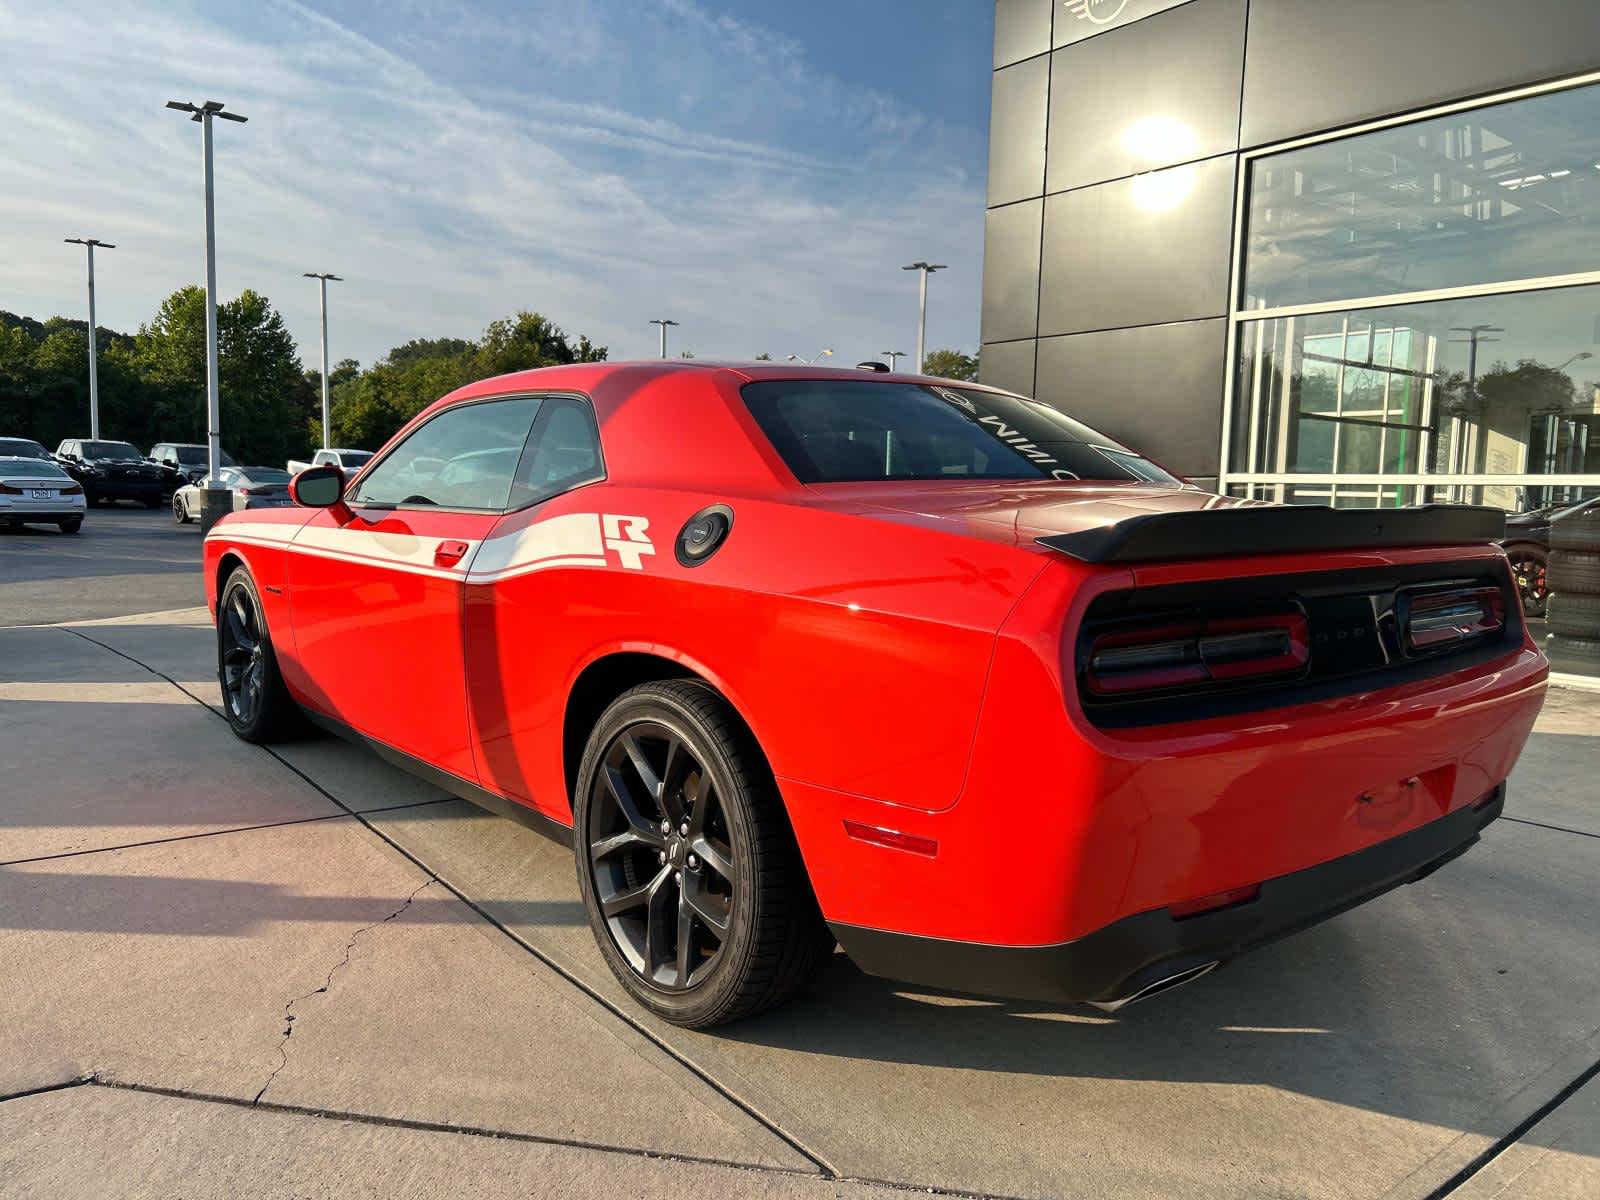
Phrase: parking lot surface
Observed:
(296, 971)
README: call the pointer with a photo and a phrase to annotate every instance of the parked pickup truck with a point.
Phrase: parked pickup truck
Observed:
(348, 461)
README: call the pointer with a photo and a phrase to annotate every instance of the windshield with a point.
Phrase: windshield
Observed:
(839, 431)
(16, 468)
(196, 456)
(354, 458)
(21, 448)
(116, 450)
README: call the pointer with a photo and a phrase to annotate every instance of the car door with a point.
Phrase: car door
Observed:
(375, 585)
(529, 577)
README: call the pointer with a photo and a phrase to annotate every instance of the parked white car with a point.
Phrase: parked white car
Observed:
(34, 491)
(252, 487)
(348, 461)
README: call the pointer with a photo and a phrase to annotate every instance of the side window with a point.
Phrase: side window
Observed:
(321, 458)
(466, 457)
(563, 452)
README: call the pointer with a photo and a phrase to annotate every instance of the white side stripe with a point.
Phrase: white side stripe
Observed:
(572, 540)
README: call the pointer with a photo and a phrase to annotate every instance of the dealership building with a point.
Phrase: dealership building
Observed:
(1326, 251)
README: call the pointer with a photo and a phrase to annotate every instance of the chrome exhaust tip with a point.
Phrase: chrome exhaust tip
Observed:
(1162, 983)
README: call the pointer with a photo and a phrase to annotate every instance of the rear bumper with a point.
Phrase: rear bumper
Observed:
(1127, 956)
(28, 516)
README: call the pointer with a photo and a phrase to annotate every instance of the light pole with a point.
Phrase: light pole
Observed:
(825, 352)
(215, 500)
(894, 356)
(94, 374)
(663, 323)
(922, 315)
(322, 284)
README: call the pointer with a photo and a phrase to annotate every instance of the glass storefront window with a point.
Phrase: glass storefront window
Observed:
(1417, 321)
(1493, 385)
(1509, 191)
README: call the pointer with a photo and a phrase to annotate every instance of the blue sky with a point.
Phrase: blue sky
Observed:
(757, 170)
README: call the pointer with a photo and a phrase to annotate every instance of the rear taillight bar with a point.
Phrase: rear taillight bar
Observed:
(1431, 621)
(1195, 653)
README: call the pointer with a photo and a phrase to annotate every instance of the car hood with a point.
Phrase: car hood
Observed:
(124, 464)
(1014, 513)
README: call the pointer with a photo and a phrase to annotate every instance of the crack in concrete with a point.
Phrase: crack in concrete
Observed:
(327, 984)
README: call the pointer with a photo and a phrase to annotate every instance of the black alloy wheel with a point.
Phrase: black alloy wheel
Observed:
(661, 854)
(690, 874)
(257, 705)
(1528, 567)
(180, 511)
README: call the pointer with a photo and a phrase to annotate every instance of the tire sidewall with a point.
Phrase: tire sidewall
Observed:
(259, 726)
(702, 1003)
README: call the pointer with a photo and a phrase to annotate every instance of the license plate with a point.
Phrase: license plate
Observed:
(44, 493)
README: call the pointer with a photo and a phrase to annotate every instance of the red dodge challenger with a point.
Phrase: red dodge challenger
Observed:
(797, 655)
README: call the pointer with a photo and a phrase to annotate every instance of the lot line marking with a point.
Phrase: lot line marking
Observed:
(791, 1140)
(207, 833)
(1522, 1128)
(507, 1135)
(45, 1089)
(1557, 828)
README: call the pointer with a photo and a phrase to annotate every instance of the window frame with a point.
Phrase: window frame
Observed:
(1239, 317)
(383, 455)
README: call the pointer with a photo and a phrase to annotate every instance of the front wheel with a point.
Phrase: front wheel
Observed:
(180, 510)
(689, 870)
(254, 700)
(1528, 567)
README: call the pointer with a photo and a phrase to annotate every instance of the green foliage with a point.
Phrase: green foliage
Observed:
(951, 364)
(370, 408)
(153, 384)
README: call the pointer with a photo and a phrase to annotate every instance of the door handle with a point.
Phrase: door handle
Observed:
(449, 553)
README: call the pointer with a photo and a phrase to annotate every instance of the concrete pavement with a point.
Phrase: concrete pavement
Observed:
(440, 976)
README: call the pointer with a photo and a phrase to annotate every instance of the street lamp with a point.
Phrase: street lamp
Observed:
(894, 356)
(825, 352)
(922, 315)
(322, 284)
(663, 323)
(94, 374)
(1578, 357)
(214, 500)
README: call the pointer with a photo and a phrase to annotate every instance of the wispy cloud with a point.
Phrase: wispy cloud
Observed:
(602, 186)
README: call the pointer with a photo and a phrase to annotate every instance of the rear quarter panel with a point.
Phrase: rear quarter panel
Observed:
(857, 650)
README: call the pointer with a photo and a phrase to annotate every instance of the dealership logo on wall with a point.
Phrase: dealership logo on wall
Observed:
(1096, 12)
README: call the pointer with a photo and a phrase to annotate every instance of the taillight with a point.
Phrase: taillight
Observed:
(1432, 621)
(1163, 656)
(7, 490)
(72, 489)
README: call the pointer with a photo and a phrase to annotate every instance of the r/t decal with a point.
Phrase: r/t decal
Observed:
(628, 536)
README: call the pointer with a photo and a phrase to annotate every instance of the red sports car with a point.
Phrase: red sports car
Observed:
(792, 656)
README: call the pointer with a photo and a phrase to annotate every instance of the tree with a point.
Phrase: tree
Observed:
(763, 357)
(951, 364)
(261, 384)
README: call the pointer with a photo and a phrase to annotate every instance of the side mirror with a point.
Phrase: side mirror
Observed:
(317, 487)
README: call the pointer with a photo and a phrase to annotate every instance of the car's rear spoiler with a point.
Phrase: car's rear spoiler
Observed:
(1279, 529)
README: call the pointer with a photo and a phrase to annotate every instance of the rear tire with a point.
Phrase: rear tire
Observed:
(1529, 567)
(255, 701)
(1574, 571)
(682, 841)
(151, 501)
(1581, 532)
(1575, 615)
(70, 526)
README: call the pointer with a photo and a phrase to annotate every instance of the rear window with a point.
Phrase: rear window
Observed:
(16, 468)
(844, 431)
